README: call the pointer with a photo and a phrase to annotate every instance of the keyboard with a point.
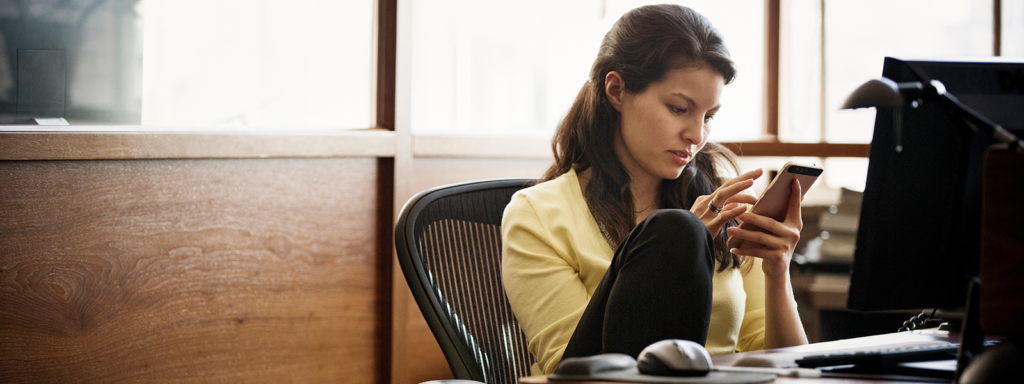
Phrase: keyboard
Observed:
(881, 357)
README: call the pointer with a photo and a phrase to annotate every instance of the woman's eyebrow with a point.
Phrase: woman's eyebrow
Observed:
(688, 99)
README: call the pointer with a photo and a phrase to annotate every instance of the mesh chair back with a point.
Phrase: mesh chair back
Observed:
(448, 241)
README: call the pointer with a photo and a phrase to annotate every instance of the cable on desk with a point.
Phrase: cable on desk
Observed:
(917, 321)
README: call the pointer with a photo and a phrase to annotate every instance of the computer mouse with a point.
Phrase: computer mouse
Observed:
(674, 357)
(997, 364)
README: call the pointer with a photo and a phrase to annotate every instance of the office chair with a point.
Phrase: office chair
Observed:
(448, 241)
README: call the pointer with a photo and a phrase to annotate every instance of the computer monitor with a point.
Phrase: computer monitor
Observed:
(919, 233)
(77, 60)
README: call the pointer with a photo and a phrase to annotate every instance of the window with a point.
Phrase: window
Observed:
(239, 64)
(829, 48)
(478, 69)
(1012, 25)
(271, 64)
(858, 35)
(856, 38)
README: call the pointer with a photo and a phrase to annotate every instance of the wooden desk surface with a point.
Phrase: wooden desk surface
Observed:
(783, 357)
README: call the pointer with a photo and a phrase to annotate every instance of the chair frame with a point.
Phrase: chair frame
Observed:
(459, 357)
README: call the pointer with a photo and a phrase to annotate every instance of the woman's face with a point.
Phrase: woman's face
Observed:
(664, 126)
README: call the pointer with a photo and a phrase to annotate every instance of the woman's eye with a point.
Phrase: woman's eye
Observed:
(677, 110)
(708, 118)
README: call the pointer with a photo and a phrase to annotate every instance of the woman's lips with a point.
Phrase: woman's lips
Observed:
(680, 157)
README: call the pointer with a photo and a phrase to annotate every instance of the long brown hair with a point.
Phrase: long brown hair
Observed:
(642, 46)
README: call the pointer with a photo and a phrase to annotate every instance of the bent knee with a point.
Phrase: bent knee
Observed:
(679, 240)
(680, 222)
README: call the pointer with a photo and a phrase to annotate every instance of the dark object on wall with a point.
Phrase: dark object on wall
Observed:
(42, 83)
(79, 60)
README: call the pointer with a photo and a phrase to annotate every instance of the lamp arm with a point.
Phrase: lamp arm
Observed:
(977, 122)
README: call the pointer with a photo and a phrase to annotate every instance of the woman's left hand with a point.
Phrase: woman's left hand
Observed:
(728, 200)
(775, 247)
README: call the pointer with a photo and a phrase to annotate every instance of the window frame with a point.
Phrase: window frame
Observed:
(385, 109)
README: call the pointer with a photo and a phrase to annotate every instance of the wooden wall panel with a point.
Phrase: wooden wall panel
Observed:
(436, 171)
(190, 270)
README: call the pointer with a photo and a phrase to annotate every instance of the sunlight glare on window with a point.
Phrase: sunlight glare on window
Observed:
(478, 69)
(800, 69)
(258, 65)
(1012, 42)
(859, 34)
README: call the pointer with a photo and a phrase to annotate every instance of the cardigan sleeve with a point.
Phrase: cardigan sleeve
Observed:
(542, 283)
(751, 335)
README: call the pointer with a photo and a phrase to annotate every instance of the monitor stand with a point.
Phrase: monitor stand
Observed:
(972, 338)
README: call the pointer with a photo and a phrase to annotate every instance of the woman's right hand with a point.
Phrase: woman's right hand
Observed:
(728, 199)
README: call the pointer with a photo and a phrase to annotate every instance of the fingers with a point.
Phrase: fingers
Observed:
(776, 244)
(795, 197)
(749, 175)
(721, 196)
(776, 235)
(785, 240)
(715, 222)
(774, 262)
(700, 205)
(729, 212)
(727, 199)
(734, 186)
(765, 222)
(742, 198)
(758, 252)
(724, 194)
(730, 191)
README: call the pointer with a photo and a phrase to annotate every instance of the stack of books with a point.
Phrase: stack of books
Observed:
(839, 227)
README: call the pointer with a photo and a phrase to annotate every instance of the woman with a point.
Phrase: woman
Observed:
(623, 242)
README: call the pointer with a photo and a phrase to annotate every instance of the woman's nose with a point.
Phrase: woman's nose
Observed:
(693, 131)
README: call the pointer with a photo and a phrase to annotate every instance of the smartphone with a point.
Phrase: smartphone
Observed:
(774, 201)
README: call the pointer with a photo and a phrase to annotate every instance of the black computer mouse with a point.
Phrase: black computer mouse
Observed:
(674, 357)
(998, 364)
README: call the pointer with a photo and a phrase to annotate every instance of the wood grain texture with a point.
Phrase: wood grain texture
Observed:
(144, 143)
(437, 171)
(189, 270)
(770, 103)
(758, 148)
(387, 49)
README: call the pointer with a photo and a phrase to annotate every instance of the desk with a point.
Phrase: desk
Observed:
(786, 356)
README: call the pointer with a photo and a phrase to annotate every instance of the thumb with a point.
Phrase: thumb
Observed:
(795, 197)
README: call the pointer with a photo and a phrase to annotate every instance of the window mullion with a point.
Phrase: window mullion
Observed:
(770, 124)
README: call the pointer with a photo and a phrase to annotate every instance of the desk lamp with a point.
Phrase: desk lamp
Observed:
(885, 93)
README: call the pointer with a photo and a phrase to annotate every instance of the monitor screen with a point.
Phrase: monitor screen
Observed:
(76, 60)
(919, 234)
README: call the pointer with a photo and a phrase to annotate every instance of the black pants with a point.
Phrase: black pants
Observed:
(657, 287)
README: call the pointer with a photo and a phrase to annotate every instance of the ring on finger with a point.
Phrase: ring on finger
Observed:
(711, 206)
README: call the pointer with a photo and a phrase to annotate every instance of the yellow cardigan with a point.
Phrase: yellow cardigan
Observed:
(554, 256)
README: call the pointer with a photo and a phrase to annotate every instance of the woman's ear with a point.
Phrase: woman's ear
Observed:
(614, 87)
